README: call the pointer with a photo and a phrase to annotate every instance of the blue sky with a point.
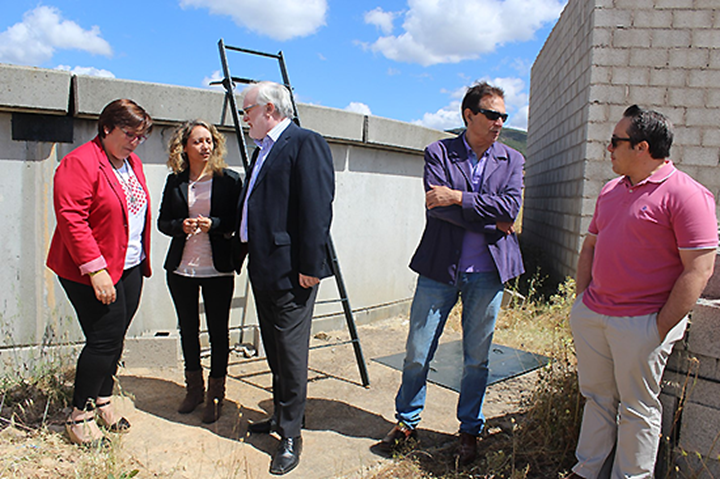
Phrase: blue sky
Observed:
(408, 60)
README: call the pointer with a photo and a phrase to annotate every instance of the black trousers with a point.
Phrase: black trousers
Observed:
(104, 327)
(285, 319)
(217, 295)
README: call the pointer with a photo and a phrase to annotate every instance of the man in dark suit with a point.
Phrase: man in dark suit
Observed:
(285, 215)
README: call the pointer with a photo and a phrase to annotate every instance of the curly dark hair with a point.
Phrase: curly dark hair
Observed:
(177, 160)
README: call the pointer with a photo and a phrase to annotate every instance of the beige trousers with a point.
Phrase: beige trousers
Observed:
(620, 365)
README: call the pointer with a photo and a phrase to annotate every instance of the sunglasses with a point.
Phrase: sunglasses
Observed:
(615, 140)
(492, 115)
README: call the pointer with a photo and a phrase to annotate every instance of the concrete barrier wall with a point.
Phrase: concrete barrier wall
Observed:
(378, 219)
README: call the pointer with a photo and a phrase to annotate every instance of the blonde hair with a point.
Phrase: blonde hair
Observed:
(177, 159)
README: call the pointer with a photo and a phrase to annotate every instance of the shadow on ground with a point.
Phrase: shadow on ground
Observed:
(159, 397)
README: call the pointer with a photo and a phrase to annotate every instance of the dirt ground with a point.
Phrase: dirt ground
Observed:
(343, 420)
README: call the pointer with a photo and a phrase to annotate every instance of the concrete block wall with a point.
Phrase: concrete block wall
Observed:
(695, 362)
(602, 56)
(557, 129)
(378, 210)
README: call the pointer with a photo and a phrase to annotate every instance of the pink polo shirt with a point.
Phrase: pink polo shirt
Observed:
(640, 230)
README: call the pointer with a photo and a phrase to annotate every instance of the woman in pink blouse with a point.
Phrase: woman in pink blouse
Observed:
(199, 209)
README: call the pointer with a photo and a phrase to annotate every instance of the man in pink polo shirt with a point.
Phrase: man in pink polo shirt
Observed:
(648, 255)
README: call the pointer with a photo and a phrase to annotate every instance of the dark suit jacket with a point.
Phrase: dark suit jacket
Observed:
(290, 210)
(226, 189)
(447, 164)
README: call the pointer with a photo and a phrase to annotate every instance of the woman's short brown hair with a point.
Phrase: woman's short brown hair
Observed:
(177, 159)
(124, 113)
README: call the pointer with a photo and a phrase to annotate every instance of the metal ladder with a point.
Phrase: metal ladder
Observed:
(228, 82)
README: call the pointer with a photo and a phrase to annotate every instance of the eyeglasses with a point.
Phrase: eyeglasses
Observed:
(615, 140)
(246, 111)
(492, 115)
(133, 137)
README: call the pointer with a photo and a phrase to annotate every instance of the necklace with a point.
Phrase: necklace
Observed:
(129, 193)
(202, 176)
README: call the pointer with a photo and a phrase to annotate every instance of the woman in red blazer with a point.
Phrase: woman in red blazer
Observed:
(101, 252)
(198, 210)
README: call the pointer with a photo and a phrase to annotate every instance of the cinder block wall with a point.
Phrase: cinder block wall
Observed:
(691, 392)
(603, 56)
(557, 148)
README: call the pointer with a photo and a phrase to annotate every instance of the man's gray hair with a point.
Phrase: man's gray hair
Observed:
(277, 94)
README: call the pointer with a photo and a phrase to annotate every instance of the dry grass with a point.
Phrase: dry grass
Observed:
(539, 441)
(35, 400)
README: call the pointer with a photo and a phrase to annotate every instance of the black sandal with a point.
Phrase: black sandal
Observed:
(122, 424)
(75, 439)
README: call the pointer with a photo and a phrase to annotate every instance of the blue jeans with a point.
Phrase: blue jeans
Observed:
(481, 295)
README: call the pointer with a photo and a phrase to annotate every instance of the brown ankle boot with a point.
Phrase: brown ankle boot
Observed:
(194, 391)
(214, 399)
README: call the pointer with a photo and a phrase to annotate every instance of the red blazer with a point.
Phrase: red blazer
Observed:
(92, 217)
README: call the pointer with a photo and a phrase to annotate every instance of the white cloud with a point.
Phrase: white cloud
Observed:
(520, 119)
(277, 19)
(41, 32)
(516, 100)
(516, 104)
(358, 107)
(216, 76)
(445, 118)
(522, 66)
(381, 19)
(89, 71)
(449, 31)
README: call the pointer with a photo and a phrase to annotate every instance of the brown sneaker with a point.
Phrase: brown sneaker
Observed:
(399, 436)
(467, 448)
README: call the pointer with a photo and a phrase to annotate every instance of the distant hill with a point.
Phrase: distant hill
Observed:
(511, 137)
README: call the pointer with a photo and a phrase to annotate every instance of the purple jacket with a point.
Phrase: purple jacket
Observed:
(447, 163)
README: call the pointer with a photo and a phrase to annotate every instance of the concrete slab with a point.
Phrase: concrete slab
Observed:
(704, 335)
(682, 361)
(690, 465)
(343, 419)
(705, 393)
(332, 123)
(165, 103)
(712, 290)
(160, 349)
(383, 131)
(699, 430)
(34, 89)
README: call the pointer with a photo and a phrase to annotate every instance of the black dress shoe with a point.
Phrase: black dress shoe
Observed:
(287, 455)
(263, 427)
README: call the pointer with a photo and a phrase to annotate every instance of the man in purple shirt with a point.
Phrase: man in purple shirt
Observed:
(473, 190)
